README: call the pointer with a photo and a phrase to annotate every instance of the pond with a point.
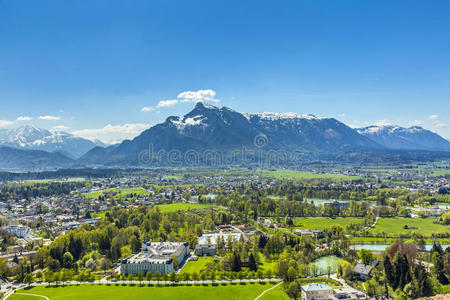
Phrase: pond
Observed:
(323, 263)
(318, 202)
(382, 247)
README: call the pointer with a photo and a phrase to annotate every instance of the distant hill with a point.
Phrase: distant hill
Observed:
(32, 138)
(11, 158)
(412, 138)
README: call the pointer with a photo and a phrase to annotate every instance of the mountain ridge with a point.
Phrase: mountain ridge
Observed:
(401, 138)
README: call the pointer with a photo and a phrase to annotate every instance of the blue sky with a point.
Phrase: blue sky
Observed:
(91, 67)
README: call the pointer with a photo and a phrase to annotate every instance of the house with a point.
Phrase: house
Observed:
(362, 271)
(316, 291)
(318, 234)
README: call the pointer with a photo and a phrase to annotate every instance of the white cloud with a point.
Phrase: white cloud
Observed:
(60, 128)
(383, 122)
(190, 96)
(198, 96)
(49, 118)
(147, 109)
(415, 123)
(167, 103)
(4, 123)
(111, 134)
(441, 125)
(23, 118)
(433, 117)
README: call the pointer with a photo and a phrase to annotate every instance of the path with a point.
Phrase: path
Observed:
(34, 295)
(268, 290)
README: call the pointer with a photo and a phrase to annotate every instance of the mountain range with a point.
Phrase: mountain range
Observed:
(412, 138)
(31, 138)
(208, 129)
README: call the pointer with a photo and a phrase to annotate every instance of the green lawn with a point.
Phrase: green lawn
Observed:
(396, 226)
(164, 208)
(94, 292)
(196, 266)
(292, 174)
(121, 193)
(267, 264)
(322, 223)
(275, 294)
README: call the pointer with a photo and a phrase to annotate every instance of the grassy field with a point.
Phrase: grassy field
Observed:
(275, 294)
(267, 264)
(73, 179)
(121, 193)
(164, 208)
(323, 223)
(196, 266)
(93, 292)
(292, 174)
(396, 226)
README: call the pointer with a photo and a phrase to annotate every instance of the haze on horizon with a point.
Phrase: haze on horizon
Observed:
(110, 69)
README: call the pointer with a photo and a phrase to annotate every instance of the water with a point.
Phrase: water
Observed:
(382, 247)
(323, 263)
(318, 202)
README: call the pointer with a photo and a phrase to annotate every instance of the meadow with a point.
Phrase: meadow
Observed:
(164, 208)
(121, 193)
(113, 292)
(397, 226)
(196, 265)
(72, 179)
(292, 174)
(321, 223)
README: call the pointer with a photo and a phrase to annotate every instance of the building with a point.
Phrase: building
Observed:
(155, 257)
(313, 233)
(19, 231)
(206, 250)
(211, 238)
(316, 291)
(337, 204)
(362, 272)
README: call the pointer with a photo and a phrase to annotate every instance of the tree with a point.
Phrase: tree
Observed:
(172, 277)
(105, 264)
(439, 268)
(148, 276)
(291, 274)
(67, 260)
(252, 263)
(236, 263)
(28, 279)
(293, 289)
(390, 276)
(175, 262)
(366, 256)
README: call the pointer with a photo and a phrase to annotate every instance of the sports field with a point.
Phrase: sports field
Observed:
(397, 226)
(324, 223)
(113, 292)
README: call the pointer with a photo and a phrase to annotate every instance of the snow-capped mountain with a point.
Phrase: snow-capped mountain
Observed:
(223, 129)
(412, 138)
(31, 138)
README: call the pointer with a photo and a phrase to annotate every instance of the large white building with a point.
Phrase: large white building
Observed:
(19, 231)
(316, 291)
(155, 257)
